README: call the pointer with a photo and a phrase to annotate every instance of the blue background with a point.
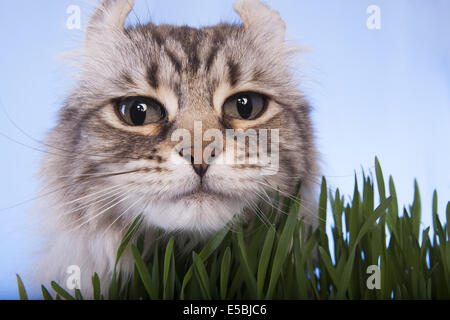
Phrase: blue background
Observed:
(375, 92)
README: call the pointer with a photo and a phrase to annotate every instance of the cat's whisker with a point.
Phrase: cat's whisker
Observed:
(69, 153)
(257, 211)
(83, 217)
(122, 214)
(86, 175)
(266, 195)
(275, 171)
(40, 195)
(273, 206)
(49, 193)
(99, 199)
(269, 201)
(88, 179)
(277, 208)
(267, 184)
(30, 147)
(122, 199)
(305, 208)
(265, 221)
(85, 206)
(286, 194)
(318, 181)
(128, 225)
(114, 174)
(261, 215)
(93, 195)
(136, 16)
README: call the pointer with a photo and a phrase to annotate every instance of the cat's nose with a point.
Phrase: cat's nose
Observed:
(201, 169)
(200, 166)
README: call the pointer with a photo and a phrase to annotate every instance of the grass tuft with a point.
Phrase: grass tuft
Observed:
(283, 258)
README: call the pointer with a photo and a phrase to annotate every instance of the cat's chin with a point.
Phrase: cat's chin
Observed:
(201, 211)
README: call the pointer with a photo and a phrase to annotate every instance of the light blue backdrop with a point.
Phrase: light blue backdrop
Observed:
(375, 92)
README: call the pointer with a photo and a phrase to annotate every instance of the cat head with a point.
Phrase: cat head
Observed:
(152, 119)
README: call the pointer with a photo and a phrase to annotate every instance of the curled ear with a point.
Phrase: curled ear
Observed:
(110, 14)
(259, 18)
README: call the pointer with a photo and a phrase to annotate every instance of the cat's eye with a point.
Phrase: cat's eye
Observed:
(139, 111)
(245, 106)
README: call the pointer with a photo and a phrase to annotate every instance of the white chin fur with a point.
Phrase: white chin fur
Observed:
(200, 214)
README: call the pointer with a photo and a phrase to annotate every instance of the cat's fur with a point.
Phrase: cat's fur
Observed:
(191, 71)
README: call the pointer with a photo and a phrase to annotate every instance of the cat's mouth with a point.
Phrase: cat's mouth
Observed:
(200, 193)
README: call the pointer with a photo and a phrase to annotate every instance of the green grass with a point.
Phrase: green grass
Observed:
(274, 259)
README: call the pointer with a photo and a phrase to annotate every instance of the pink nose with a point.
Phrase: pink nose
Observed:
(200, 167)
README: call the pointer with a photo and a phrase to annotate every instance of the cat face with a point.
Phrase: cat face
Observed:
(143, 88)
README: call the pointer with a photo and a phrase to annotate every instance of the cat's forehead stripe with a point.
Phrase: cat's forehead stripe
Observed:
(152, 75)
(234, 72)
(173, 58)
(217, 43)
(128, 79)
(190, 39)
(189, 48)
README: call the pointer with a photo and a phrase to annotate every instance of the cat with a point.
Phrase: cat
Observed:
(111, 155)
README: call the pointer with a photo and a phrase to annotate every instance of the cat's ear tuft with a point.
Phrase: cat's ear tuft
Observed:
(259, 18)
(110, 14)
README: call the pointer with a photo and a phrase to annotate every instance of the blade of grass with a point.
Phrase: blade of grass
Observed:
(250, 278)
(447, 211)
(283, 247)
(22, 292)
(45, 294)
(201, 275)
(210, 247)
(380, 180)
(155, 269)
(416, 211)
(323, 214)
(300, 274)
(96, 287)
(134, 228)
(144, 273)
(264, 261)
(328, 265)
(345, 278)
(63, 293)
(78, 295)
(166, 269)
(225, 273)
